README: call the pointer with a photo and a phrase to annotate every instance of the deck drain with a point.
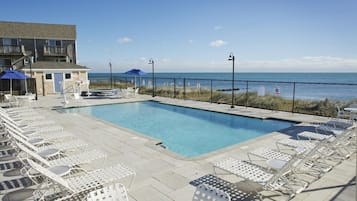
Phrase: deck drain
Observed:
(161, 144)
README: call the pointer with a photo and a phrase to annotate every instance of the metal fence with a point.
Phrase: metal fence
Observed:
(301, 97)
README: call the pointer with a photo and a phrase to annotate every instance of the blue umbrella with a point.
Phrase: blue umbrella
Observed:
(13, 75)
(135, 72)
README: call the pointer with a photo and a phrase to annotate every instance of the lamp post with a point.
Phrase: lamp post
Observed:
(111, 75)
(231, 58)
(151, 61)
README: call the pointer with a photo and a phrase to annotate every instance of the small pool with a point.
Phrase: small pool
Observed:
(186, 131)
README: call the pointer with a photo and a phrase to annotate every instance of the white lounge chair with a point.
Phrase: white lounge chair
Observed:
(37, 125)
(73, 144)
(72, 160)
(277, 182)
(32, 121)
(63, 165)
(77, 185)
(268, 153)
(335, 127)
(114, 192)
(49, 137)
(17, 111)
(312, 136)
(32, 129)
(299, 145)
(332, 148)
(205, 192)
(310, 162)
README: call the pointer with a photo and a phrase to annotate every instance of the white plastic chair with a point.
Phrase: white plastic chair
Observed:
(11, 100)
(341, 113)
(114, 192)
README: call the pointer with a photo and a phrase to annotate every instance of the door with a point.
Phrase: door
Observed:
(58, 81)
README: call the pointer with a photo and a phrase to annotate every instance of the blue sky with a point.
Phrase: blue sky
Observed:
(198, 35)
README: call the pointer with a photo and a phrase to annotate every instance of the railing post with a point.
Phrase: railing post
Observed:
(211, 90)
(246, 94)
(293, 107)
(174, 87)
(184, 88)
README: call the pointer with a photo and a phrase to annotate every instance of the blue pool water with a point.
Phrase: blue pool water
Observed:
(188, 132)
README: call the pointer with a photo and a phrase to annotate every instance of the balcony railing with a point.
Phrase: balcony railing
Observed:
(10, 49)
(54, 51)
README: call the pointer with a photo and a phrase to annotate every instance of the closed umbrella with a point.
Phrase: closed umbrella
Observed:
(135, 72)
(13, 75)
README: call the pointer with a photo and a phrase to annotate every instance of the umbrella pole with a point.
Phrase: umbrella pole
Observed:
(11, 87)
(134, 82)
(25, 86)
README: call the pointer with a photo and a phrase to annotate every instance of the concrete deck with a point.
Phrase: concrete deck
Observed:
(162, 175)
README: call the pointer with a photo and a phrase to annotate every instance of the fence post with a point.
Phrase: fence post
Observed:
(184, 88)
(113, 81)
(246, 94)
(293, 107)
(211, 90)
(174, 87)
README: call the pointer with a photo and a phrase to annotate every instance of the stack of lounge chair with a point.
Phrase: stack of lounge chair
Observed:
(291, 166)
(52, 161)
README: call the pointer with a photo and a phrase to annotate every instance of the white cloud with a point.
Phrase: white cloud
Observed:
(124, 40)
(217, 43)
(216, 28)
(302, 64)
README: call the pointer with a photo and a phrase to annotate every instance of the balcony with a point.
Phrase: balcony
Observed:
(54, 51)
(10, 50)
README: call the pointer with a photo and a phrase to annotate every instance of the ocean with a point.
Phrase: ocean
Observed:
(311, 86)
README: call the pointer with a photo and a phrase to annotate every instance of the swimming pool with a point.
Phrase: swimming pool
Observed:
(186, 131)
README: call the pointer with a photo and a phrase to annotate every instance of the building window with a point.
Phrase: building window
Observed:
(48, 76)
(55, 43)
(9, 42)
(67, 76)
(5, 62)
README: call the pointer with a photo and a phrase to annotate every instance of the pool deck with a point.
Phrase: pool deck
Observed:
(162, 175)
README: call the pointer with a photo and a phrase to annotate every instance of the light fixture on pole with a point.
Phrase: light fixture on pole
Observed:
(231, 58)
(151, 61)
(111, 75)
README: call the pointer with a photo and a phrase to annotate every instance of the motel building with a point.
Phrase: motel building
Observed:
(45, 52)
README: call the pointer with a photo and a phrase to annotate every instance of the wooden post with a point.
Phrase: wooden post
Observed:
(43, 86)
